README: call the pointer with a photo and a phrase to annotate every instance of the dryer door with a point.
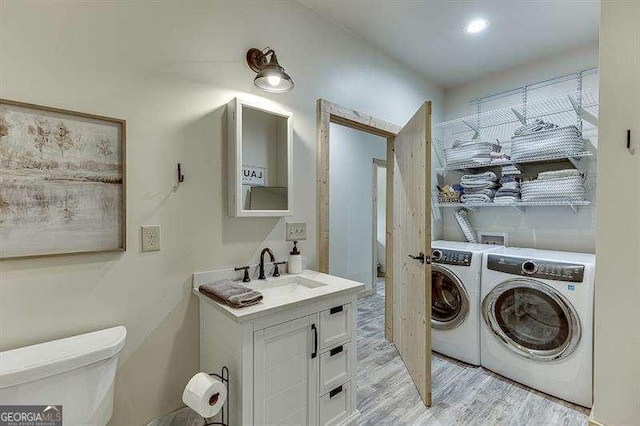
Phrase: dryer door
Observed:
(449, 299)
(532, 319)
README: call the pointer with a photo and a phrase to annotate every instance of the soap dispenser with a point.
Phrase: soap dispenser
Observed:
(295, 260)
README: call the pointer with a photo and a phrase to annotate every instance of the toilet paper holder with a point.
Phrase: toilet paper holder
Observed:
(224, 415)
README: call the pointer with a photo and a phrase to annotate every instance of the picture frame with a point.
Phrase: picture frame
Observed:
(62, 182)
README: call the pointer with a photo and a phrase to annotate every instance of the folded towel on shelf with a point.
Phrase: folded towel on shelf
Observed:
(559, 174)
(483, 191)
(467, 152)
(510, 185)
(486, 180)
(506, 199)
(506, 191)
(533, 127)
(511, 170)
(232, 293)
(476, 198)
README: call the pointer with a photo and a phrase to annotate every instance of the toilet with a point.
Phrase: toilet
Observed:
(76, 372)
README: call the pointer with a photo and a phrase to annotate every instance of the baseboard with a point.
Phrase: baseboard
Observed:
(366, 292)
(593, 422)
(351, 420)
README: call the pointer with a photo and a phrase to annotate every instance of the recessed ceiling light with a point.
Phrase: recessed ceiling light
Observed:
(476, 26)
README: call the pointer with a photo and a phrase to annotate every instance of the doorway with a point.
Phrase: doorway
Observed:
(379, 234)
(407, 301)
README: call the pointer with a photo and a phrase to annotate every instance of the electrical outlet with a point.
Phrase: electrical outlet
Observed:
(296, 231)
(151, 238)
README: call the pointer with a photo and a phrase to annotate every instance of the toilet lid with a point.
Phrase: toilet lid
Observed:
(35, 362)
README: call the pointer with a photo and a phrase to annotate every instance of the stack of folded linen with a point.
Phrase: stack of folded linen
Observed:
(543, 139)
(557, 185)
(509, 190)
(511, 170)
(473, 151)
(479, 188)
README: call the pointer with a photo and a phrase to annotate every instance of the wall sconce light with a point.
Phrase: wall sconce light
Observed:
(271, 76)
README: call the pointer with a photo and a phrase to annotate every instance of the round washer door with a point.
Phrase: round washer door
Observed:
(449, 299)
(532, 319)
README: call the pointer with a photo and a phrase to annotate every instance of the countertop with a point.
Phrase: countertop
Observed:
(333, 287)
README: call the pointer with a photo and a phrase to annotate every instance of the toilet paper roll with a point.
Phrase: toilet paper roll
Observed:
(205, 394)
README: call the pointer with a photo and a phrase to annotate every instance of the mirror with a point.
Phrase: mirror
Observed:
(259, 160)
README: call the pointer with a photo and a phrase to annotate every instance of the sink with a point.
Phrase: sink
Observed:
(288, 287)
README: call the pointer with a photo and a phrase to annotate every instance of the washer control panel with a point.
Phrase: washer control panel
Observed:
(544, 269)
(451, 257)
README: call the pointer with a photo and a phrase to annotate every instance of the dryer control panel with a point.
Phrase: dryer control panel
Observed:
(451, 257)
(544, 269)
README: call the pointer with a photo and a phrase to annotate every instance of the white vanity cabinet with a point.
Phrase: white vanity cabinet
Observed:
(295, 366)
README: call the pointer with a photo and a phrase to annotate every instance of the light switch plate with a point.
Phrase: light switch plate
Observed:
(151, 238)
(296, 231)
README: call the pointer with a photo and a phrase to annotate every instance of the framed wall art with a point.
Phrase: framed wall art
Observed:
(62, 182)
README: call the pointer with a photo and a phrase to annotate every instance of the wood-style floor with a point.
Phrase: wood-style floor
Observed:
(462, 394)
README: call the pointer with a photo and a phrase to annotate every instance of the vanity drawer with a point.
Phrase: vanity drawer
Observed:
(335, 367)
(335, 326)
(335, 406)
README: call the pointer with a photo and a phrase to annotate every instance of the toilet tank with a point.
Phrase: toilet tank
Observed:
(76, 372)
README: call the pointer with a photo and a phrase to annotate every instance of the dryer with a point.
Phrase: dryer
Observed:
(537, 320)
(455, 299)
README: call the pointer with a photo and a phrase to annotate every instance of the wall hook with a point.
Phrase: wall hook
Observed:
(180, 175)
(632, 151)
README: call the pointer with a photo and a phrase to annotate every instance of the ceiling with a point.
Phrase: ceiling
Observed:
(428, 35)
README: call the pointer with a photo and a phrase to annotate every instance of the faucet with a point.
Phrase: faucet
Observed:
(273, 259)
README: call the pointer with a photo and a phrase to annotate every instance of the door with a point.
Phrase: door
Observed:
(412, 248)
(286, 373)
(532, 319)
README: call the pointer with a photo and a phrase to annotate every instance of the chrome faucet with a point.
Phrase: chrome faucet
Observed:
(273, 259)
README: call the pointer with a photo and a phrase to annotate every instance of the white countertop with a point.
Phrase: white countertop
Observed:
(279, 297)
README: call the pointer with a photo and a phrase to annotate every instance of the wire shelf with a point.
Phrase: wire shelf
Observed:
(500, 163)
(580, 107)
(519, 205)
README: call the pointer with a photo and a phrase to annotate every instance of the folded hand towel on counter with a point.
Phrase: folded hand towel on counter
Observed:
(232, 293)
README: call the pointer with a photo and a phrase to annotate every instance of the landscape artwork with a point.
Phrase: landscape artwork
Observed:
(61, 181)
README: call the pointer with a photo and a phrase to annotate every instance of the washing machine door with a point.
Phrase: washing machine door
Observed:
(532, 319)
(449, 299)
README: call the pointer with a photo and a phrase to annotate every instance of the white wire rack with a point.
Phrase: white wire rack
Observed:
(519, 205)
(578, 108)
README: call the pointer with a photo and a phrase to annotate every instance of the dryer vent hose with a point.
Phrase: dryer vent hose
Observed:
(465, 226)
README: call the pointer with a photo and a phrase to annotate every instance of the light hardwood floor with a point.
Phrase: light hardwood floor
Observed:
(462, 394)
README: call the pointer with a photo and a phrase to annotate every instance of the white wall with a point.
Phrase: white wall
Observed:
(169, 68)
(381, 216)
(617, 317)
(556, 228)
(351, 154)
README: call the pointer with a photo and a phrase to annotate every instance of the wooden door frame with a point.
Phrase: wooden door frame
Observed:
(377, 163)
(327, 113)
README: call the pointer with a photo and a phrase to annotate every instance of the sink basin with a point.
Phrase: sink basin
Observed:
(288, 287)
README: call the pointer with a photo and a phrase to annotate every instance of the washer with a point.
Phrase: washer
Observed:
(537, 320)
(455, 299)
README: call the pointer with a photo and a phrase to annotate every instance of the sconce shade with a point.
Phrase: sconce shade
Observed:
(271, 77)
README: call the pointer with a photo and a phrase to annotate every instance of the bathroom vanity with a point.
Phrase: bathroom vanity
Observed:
(291, 358)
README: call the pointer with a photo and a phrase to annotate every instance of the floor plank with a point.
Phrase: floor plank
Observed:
(462, 394)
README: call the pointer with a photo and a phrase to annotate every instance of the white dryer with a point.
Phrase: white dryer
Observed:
(455, 299)
(537, 312)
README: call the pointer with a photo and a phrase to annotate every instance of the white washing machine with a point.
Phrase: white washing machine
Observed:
(455, 299)
(537, 320)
